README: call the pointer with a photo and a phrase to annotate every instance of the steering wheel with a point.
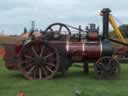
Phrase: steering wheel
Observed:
(57, 31)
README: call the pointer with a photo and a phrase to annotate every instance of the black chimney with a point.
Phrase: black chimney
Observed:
(105, 13)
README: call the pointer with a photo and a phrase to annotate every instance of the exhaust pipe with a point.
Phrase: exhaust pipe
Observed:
(105, 13)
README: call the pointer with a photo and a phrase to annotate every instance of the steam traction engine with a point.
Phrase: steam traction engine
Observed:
(55, 51)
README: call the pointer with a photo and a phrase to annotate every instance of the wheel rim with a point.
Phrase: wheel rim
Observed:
(107, 68)
(39, 61)
(58, 29)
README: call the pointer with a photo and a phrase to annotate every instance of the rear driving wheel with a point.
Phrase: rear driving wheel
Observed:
(39, 61)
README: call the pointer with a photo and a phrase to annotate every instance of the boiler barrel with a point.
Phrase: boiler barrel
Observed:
(93, 50)
(89, 50)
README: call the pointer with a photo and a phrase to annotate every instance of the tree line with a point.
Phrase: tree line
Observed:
(124, 30)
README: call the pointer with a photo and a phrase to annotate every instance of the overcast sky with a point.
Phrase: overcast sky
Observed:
(16, 14)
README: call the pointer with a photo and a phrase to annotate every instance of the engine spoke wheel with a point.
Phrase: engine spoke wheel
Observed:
(107, 68)
(39, 61)
(57, 31)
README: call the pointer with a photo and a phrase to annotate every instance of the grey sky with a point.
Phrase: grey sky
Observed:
(15, 14)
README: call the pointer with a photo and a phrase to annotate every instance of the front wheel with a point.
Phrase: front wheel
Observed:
(107, 68)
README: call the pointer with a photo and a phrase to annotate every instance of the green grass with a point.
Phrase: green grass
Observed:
(11, 83)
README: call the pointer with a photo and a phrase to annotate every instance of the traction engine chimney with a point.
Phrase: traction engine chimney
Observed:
(105, 13)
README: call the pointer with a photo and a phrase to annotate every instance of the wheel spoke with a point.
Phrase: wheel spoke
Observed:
(49, 55)
(35, 52)
(42, 50)
(51, 64)
(40, 74)
(27, 61)
(38, 48)
(28, 57)
(49, 69)
(100, 65)
(44, 71)
(110, 61)
(30, 70)
(51, 30)
(28, 66)
(34, 72)
(114, 68)
(52, 60)
(60, 28)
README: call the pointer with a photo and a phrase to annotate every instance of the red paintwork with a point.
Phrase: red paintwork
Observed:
(93, 51)
(121, 51)
(92, 36)
(18, 48)
(89, 50)
(75, 48)
(10, 57)
(78, 50)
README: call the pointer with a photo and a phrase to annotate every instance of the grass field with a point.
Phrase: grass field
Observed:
(11, 83)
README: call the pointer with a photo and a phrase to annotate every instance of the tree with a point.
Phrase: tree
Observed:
(123, 29)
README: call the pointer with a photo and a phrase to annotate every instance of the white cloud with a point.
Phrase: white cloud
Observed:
(15, 14)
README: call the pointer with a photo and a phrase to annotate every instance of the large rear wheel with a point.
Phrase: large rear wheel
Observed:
(39, 60)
